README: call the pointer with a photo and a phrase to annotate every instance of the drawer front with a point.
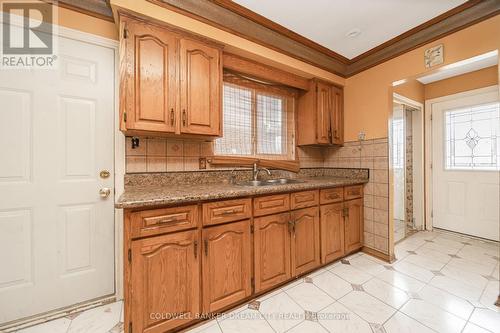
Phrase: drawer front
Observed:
(304, 199)
(226, 211)
(156, 221)
(271, 204)
(331, 195)
(353, 192)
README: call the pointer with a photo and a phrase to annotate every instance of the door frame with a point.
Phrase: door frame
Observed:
(119, 173)
(428, 143)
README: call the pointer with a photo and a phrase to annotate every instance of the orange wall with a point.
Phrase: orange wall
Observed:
(413, 90)
(368, 99)
(86, 23)
(479, 79)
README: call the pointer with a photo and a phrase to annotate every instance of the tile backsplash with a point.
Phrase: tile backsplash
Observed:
(167, 155)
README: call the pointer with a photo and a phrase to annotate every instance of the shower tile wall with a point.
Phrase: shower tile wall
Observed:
(371, 154)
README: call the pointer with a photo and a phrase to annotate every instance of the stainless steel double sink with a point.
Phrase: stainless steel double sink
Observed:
(279, 181)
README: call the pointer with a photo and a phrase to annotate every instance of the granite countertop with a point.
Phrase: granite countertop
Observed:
(147, 196)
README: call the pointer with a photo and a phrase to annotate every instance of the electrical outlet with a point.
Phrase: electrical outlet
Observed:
(361, 136)
(202, 163)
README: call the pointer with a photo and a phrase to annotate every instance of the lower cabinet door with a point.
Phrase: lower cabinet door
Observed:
(332, 232)
(305, 240)
(353, 225)
(226, 265)
(272, 250)
(165, 281)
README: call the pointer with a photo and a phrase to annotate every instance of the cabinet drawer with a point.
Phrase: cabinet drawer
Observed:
(304, 199)
(226, 211)
(271, 204)
(331, 195)
(156, 221)
(353, 192)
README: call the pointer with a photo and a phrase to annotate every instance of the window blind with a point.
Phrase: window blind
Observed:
(258, 119)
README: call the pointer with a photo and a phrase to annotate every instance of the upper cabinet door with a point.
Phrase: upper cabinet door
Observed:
(165, 278)
(149, 80)
(323, 110)
(337, 116)
(201, 88)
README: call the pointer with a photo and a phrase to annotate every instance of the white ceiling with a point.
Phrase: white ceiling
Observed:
(328, 21)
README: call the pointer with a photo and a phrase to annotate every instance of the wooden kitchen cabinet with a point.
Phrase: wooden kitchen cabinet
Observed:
(353, 224)
(201, 88)
(170, 83)
(305, 242)
(320, 115)
(272, 261)
(149, 81)
(226, 265)
(332, 232)
(164, 279)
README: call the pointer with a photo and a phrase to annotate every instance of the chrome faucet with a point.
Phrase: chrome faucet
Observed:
(256, 170)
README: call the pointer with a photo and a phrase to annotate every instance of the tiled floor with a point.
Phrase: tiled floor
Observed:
(441, 282)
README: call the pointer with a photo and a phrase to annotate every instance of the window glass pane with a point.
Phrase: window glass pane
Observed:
(237, 109)
(472, 137)
(271, 125)
(398, 143)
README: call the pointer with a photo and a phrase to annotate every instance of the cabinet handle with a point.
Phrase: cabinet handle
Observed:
(345, 212)
(291, 226)
(183, 117)
(195, 249)
(228, 212)
(172, 117)
(205, 244)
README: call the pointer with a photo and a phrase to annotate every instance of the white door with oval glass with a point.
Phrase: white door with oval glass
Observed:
(56, 198)
(466, 164)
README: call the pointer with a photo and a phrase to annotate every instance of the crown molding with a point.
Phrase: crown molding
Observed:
(236, 19)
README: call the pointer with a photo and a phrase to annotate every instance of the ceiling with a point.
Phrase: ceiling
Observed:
(328, 22)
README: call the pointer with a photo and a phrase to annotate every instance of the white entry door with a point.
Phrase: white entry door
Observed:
(56, 134)
(465, 158)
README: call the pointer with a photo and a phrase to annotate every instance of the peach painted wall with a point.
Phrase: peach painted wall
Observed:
(413, 90)
(479, 79)
(86, 23)
(368, 94)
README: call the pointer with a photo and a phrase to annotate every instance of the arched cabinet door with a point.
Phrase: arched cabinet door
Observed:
(332, 232)
(272, 250)
(200, 88)
(353, 225)
(149, 80)
(226, 265)
(165, 278)
(305, 240)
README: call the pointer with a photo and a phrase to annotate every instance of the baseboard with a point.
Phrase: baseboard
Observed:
(377, 254)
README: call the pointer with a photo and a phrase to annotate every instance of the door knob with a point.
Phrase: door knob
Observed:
(104, 192)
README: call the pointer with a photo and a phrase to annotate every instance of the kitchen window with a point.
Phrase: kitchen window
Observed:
(258, 120)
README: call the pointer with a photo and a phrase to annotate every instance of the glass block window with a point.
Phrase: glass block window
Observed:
(473, 138)
(398, 143)
(258, 122)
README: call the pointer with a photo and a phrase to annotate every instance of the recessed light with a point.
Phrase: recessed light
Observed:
(353, 33)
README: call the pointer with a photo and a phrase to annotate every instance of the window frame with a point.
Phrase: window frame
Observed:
(289, 98)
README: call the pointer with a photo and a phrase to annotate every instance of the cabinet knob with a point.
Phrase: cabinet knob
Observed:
(104, 192)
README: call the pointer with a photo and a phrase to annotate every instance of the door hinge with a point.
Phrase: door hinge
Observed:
(431, 116)
(431, 166)
(129, 255)
(125, 116)
(130, 327)
(125, 33)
